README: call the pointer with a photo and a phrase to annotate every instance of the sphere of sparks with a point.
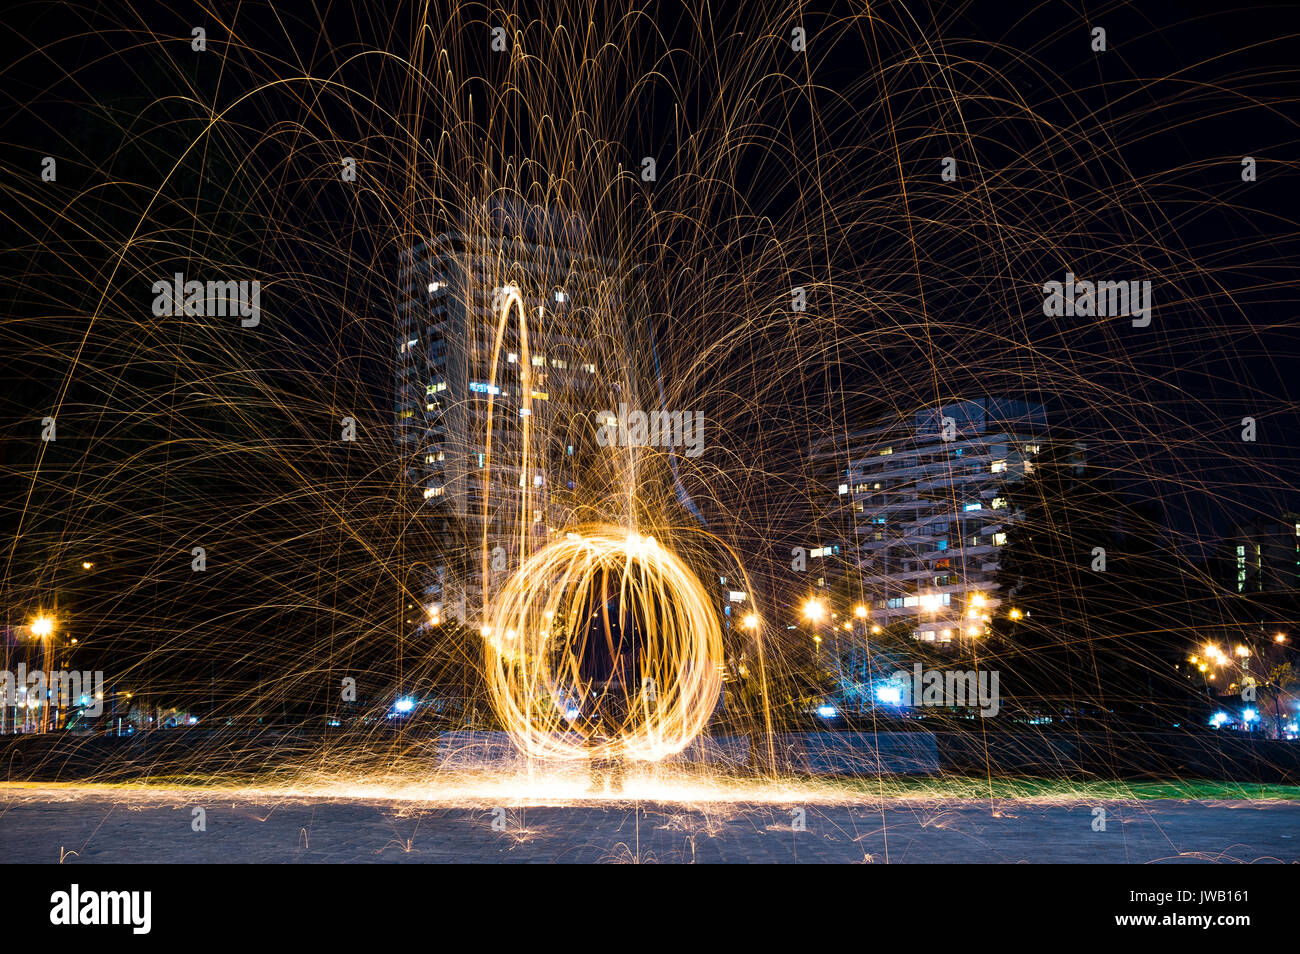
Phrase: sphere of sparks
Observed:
(604, 645)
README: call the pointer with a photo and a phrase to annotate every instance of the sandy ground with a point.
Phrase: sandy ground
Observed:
(89, 825)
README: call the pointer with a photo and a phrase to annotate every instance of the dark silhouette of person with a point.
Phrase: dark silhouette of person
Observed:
(610, 664)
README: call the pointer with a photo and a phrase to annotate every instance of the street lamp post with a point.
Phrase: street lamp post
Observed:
(43, 629)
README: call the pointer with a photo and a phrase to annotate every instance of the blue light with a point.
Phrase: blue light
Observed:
(826, 712)
(1249, 715)
(573, 714)
(891, 694)
(404, 705)
(1218, 719)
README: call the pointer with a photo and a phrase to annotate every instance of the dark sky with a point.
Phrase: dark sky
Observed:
(1143, 180)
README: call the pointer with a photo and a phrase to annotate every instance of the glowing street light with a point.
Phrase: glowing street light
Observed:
(860, 611)
(814, 610)
(42, 626)
(750, 621)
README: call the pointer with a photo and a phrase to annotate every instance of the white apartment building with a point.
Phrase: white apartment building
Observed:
(924, 516)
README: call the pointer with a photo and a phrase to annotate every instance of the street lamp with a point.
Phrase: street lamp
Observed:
(43, 628)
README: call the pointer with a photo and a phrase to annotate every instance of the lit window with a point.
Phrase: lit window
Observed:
(886, 452)
(998, 467)
(538, 361)
(999, 503)
(434, 286)
(541, 396)
(481, 388)
(561, 297)
(999, 539)
(973, 506)
(844, 489)
(511, 358)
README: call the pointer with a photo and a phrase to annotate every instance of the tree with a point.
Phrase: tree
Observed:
(1100, 608)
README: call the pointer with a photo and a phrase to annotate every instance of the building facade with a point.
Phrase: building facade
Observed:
(494, 411)
(1265, 555)
(923, 514)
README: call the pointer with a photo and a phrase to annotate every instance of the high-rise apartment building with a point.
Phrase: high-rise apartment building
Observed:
(922, 514)
(1265, 555)
(463, 371)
